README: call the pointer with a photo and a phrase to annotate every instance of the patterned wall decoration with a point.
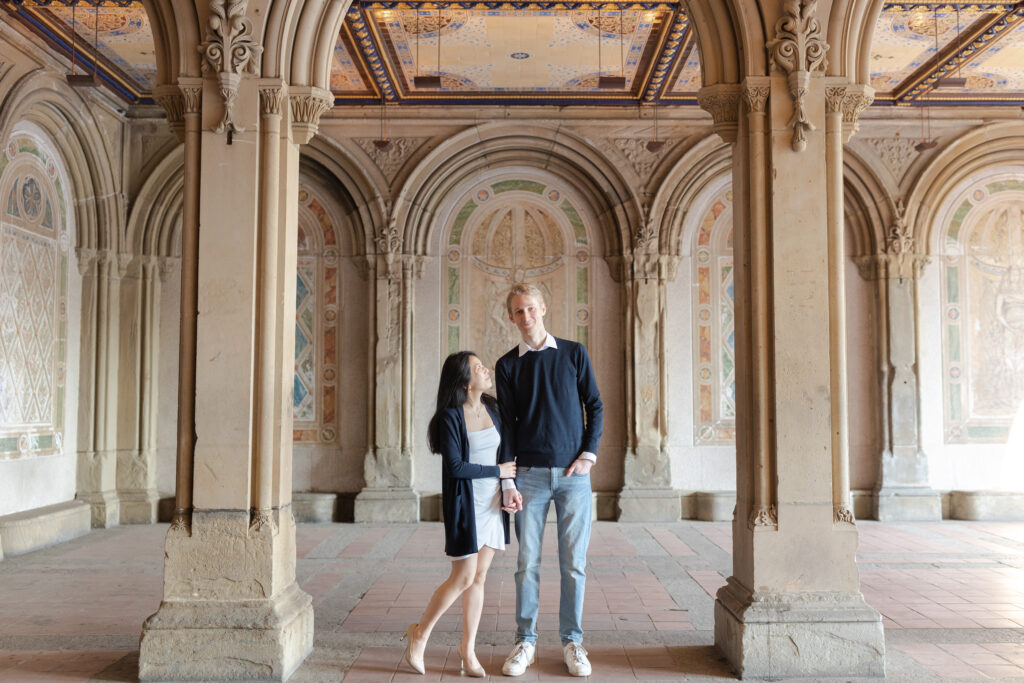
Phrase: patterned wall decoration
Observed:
(508, 232)
(314, 390)
(714, 326)
(34, 252)
(982, 283)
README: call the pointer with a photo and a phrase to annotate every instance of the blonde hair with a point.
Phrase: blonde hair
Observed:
(524, 289)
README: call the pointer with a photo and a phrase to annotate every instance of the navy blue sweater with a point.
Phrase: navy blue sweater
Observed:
(542, 396)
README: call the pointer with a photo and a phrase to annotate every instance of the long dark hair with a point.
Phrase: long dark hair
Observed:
(452, 392)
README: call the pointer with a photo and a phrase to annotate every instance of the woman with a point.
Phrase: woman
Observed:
(464, 431)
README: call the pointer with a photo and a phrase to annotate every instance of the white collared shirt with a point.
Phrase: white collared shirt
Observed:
(549, 343)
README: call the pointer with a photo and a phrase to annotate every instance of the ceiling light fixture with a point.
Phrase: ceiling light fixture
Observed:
(611, 82)
(433, 82)
(85, 80)
(382, 143)
(655, 145)
(951, 82)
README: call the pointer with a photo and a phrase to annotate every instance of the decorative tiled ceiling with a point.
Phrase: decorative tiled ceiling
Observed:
(545, 52)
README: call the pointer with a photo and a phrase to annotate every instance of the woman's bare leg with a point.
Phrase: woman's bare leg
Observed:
(472, 607)
(458, 581)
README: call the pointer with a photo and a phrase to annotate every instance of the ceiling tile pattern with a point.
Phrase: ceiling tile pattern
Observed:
(548, 52)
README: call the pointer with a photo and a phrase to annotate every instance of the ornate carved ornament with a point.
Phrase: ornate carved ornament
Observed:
(899, 258)
(799, 50)
(764, 516)
(842, 514)
(228, 50)
(756, 98)
(722, 101)
(390, 160)
(261, 518)
(640, 158)
(271, 99)
(172, 100)
(308, 105)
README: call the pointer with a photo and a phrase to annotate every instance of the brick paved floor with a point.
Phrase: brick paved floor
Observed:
(951, 595)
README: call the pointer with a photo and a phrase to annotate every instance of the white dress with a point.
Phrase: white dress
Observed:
(483, 450)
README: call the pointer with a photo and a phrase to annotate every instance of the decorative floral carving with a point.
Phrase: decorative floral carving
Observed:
(181, 522)
(389, 240)
(764, 516)
(172, 100)
(640, 158)
(899, 259)
(842, 514)
(271, 97)
(834, 96)
(722, 101)
(897, 153)
(262, 518)
(798, 50)
(390, 160)
(228, 50)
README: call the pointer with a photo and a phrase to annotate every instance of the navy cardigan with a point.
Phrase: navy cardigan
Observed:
(457, 474)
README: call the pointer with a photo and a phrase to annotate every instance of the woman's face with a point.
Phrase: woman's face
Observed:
(479, 375)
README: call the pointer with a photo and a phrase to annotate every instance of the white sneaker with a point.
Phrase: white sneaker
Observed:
(576, 659)
(522, 656)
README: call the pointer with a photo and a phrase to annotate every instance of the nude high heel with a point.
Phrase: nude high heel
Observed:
(478, 672)
(416, 664)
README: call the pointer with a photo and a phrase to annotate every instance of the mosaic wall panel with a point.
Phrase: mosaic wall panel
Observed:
(34, 253)
(508, 232)
(982, 284)
(714, 360)
(314, 390)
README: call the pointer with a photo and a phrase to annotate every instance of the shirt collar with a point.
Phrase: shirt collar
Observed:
(549, 343)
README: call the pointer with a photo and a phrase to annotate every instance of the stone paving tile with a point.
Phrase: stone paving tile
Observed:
(958, 588)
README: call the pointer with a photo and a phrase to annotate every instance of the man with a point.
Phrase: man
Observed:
(542, 384)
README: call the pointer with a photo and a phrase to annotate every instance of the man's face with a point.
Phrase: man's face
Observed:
(527, 313)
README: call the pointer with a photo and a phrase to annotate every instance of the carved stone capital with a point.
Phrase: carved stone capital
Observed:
(227, 51)
(834, 96)
(308, 104)
(756, 97)
(192, 94)
(261, 519)
(172, 100)
(856, 99)
(722, 101)
(86, 260)
(167, 265)
(271, 97)
(892, 266)
(647, 266)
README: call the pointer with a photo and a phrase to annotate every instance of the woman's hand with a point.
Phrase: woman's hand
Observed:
(507, 470)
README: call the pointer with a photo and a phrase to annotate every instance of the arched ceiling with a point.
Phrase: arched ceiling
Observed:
(542, 52)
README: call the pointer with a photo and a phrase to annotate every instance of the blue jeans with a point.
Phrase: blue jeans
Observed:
(573, 510)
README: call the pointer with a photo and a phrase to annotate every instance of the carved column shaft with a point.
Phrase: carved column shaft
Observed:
(192, 96)
(647, 493)
(97, 462)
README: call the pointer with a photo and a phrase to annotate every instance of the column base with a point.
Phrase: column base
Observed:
(387, 505)
(792, 635)
(139, 507)
(252, 640)
(105, 507)
(908, 504)
(649, 505)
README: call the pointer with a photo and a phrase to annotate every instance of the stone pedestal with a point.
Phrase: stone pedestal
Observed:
(387, 505)
(638, 504)
(96, 486)
(785, 635)
(229, 612)
(906, 504)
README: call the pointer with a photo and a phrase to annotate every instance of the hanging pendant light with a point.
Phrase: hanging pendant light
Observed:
(382, 143)
(85, 80)
(655, 145)
(433, 82)
(611, 82)
(951, 82)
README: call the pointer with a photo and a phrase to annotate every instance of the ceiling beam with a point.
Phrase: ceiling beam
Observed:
(973, 41)
(675, 45)
(370, 53)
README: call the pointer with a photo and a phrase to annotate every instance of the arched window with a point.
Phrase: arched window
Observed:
(34, 251)
(507, 232)
(714, 325)
(982, 285)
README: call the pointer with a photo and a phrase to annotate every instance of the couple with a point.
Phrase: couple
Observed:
(544, 385)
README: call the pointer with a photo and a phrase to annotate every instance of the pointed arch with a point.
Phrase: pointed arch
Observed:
(154, 225)
(176, 32)
(868, 204)
(44, 99)
(429, 192)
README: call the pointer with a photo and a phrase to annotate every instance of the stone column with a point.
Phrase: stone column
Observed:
(231, 606)
(388, 495)
(137, 419)
(792, 606)
(647, 494)
(97, 405)
(903, 491)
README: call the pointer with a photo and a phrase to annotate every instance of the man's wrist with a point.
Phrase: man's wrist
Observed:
(587, 455)
(508, 484)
